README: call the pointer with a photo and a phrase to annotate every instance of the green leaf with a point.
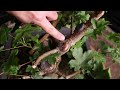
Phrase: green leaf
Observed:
(13, 59)
(87, 17)
(87, 54)
(94, 66)
(114, 37)
(83, 40)
(103, 47)
(1, 48)
(26, 33)
(10, 70)
(4, 31)
(100, 73)
(38, 46)
(85, 64)
(13, 70)
(77, 53)
(115, 53)
(35, 39)
(90, 62)
(102, 22)
(74, 64)
(98, 26)
(100, 58)
(11, 66)
(83, 16)
(79, 76)
(37, 76)
(46, 77)
(79, 43)
(51, 58)
(94, 23)
(31, 70)
(34, 56)
(89, 32)
(69, 54)
(82, 13)
(80, 58)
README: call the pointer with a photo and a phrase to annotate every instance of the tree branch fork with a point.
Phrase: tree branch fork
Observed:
(75, 37)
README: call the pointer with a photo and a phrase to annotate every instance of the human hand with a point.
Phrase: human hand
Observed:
(40, 18)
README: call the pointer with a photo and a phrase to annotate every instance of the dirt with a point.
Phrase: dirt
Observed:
(114, 67)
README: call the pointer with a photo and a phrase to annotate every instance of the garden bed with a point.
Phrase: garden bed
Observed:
(90, 51)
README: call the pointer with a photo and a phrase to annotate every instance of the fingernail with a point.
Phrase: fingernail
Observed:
(62, 37)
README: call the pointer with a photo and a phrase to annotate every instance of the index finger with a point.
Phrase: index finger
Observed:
(49, 28)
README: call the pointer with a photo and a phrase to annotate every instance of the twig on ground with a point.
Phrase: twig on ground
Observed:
(24, 64)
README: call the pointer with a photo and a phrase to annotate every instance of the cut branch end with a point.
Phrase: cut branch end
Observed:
(34, 66)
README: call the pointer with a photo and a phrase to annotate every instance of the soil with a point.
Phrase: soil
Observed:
(114, 67)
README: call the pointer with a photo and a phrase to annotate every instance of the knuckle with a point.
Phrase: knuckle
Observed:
(55, 15)
(35, 16)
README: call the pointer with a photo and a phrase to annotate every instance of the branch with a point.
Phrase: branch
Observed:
(72, 75)
(24, 64)
(60, 74)
(15, 48)
(44, 55)
(1, 73)
(75, 37)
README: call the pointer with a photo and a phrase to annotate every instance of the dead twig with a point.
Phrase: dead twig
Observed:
(72, 75)
(1, 73)
(24, 64)
(15, 48)
(26, 77)
(60, 74)
(75, 37)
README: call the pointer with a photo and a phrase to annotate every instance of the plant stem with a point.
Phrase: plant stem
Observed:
(72, 75)
(18, 75)
(1, 73)
(60, 74)
(43, 56)
(14, 48)
(71, 24)
(11, 36)
(24, 64)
